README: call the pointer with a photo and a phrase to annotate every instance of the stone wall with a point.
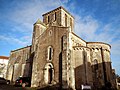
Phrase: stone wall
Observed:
(101, 63)
(19, 63)
(51, 37)
(77, 41)
(82, 66)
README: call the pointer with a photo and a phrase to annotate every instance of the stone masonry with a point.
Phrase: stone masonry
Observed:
(59, 57)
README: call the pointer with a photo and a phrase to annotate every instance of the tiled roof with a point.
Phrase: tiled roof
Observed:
(4, 57)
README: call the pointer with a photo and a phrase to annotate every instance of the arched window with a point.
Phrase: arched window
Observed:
(50, 53)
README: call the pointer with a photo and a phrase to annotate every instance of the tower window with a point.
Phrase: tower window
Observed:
(71, 23)
(65, 20)
(55, 16)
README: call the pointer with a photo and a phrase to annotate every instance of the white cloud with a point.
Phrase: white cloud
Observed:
(91, 29)
(24, 15)
(115, 48)
(23, 41)
(86, 27)
(64, 1)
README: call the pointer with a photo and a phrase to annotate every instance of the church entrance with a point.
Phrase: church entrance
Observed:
(50, 76)
(48, 73)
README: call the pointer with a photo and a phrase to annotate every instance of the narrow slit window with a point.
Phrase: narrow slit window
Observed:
(50, 53)
(71, 23)
(55, 16)
(65, 20)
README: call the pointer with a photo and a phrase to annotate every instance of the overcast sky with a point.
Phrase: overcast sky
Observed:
(95, 20)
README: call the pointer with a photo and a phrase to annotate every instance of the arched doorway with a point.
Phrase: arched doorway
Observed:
(48, 73)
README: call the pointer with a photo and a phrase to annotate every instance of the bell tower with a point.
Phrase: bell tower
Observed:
(59, 17)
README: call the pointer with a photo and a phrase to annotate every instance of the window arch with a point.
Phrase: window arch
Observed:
(49, 53)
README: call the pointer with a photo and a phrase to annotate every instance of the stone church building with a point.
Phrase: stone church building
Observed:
(59, 57)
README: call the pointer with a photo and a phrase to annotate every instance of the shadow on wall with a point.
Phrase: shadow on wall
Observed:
(28, 66)
(83, 75)
(98, 79)
(103, 76)
(60, 69)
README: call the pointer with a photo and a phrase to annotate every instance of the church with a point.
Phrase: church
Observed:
(58, 57)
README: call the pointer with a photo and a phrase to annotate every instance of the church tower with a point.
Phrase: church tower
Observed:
(38, 29)
(59, 17)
